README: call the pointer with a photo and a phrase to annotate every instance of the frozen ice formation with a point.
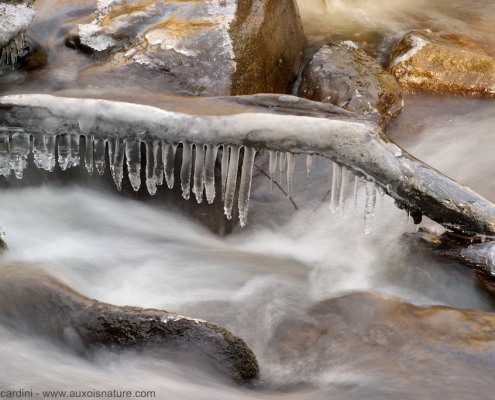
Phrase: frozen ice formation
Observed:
(262, 122)
(15, 18)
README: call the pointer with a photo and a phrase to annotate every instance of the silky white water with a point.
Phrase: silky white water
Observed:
(127, 252)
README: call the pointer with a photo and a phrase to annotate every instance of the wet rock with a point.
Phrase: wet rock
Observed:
(15, 17)
(394, 341)
(33, 301)
(200, 48)
(422, 61)
(347, 77)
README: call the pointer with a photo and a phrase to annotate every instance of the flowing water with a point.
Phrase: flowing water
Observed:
(260, 281)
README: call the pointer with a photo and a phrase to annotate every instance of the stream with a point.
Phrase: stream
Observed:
(258, 279)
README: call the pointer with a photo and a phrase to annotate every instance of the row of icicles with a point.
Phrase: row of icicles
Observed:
(13, 49)
(198, 166)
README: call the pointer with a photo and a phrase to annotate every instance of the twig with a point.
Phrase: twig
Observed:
(277, 184)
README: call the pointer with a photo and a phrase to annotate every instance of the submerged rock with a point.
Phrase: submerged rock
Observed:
(373, 336)
(347, 77)
(31, 300)
(201, 48)
(15, 17)
(422, 61)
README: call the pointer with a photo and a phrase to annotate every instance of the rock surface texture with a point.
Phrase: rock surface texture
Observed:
(31, 300)
(412, 341)
(422, 61)
(205, 48)
(347, 77)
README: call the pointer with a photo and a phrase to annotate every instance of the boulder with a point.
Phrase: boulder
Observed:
(347, 77)
(203, 48)
(33, 301)
(381, 343)
(15, 17)
(423, 61)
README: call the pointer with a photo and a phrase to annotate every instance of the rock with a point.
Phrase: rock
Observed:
(347, 77)
(394, 340)
(422, 61)
(15, 17)
(204, 48)
(34, 301)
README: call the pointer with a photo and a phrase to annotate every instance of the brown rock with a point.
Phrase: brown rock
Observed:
(201, 48)
(347, 77)
(378, 336)
(422, 61)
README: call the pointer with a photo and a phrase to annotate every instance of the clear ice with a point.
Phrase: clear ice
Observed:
(231, 181)
(336, 183)
(133, 158)
(197, 172)
(210, 160)
(245, 185)
(185, 170)
(369, 207)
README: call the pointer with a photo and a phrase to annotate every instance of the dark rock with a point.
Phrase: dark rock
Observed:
(33, 301)
(347, 77)
(423, 61)
(200, 48)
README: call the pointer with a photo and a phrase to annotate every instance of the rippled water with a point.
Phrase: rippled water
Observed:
(260, 281)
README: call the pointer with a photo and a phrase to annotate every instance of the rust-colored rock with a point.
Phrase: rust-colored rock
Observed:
(344, 75)
(422, 61)
(207, 48)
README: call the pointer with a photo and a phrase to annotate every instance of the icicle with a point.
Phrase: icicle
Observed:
(344, 188)
(39, 151)
(169, 162)
(133, 158)
(225, 168)
(99, 155)
(150, 167)
(74, 151)
(199, 172)
(210, 160)
(68, 150)
(64, 151)
(369, 208)
(309, 163)
(356, 189)
(381, 192)
(4, 156)
(88, 159)
(13, 49)
(291, 160)
(19, 150)
(117, 163)
(245, 185)
(231, 181)
(282, 161)
(158, 167)
(272, 166)
(185, 170)
(336, 181)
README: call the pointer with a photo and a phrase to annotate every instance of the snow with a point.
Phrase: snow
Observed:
(14, 20)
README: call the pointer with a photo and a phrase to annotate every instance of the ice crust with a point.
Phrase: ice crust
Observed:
(117, 131)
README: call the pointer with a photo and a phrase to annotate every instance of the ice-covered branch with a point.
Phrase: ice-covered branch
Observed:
(283, 124)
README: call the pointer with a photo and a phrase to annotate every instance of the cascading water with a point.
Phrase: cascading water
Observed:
(260, 281)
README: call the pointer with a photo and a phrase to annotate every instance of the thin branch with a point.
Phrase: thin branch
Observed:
(277, 184)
